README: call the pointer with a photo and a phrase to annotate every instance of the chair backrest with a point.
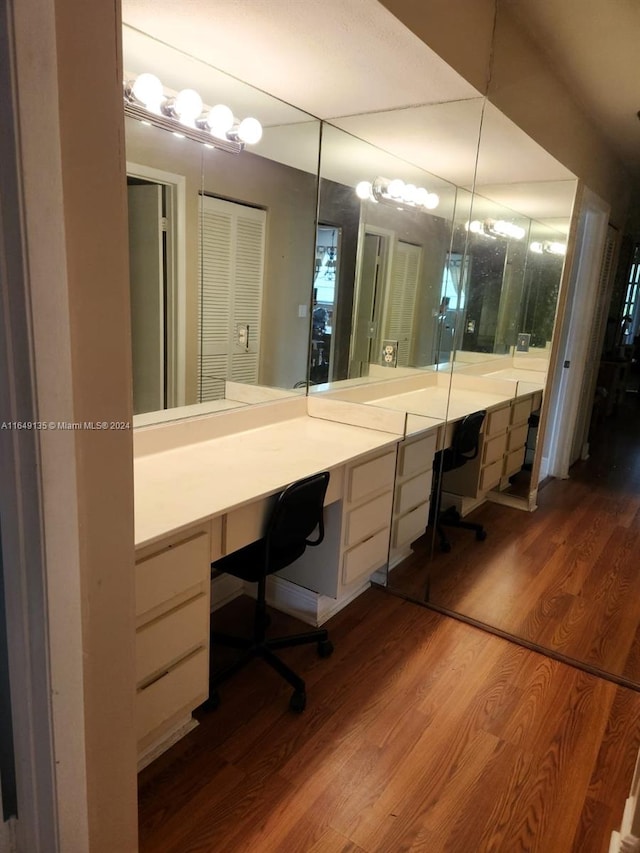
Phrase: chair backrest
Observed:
(466, 437)
(297, 513)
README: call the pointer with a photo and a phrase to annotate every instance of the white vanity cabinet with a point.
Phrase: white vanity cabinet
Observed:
(485, 471)
(357, 528)
(412, 499)
(172, 633)
(367, 517)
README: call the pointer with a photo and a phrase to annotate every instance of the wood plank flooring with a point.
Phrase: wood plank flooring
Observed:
(565, 577)
(421, 733)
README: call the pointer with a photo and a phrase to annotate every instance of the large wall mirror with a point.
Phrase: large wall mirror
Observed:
(221, 246)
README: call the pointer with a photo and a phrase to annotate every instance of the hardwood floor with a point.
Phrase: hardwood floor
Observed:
(421, 734)
(566, 577)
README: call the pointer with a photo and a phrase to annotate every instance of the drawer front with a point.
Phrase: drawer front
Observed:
(418, 455)
(365, 558)
(536, 401)
(494, 449)
(517, 437)
(246, 524)
(170, 572)
(497, 421)
(167, 639)
(513, 462)
(411, 526)
(490, 475)
(184, 687)
(372, 476)
(368, 518)
(414, 492)
(520, 411)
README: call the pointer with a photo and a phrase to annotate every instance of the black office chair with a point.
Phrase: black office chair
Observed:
(465, 446)
(298, 512)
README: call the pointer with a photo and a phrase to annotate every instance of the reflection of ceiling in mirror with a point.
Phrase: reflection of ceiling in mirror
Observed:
(358, 55)
(384, 68)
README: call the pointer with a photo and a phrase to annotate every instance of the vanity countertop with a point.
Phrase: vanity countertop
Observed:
(184, 486)
(439, 403)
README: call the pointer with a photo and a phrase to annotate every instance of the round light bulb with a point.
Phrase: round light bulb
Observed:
(187, 106)
(409, 193)
(147, 90)
(475, 227)
(220, 120)
(250, 131)
(421, 196)
(395, 188)
(556, 248)
(363, 190)
(432, 201)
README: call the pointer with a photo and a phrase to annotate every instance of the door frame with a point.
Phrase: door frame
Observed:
(176, 305)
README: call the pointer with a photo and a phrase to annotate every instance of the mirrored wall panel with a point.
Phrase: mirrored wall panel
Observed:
(222, 183)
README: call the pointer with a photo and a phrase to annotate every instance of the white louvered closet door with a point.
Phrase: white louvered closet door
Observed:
(401, 301)
(231, 286)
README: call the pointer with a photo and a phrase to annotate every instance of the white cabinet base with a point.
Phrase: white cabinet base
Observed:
(155, 749)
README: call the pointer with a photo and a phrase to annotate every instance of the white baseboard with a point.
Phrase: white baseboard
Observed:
(154, 750)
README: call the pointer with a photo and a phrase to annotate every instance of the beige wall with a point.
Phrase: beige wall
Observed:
(517, 78)
(72, 149)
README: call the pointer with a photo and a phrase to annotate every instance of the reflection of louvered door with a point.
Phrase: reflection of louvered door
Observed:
(401, 300)
(230, 305)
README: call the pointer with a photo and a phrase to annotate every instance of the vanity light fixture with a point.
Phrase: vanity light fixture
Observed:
(548, 247)
(496, 228)
(398, 193)
(185, 115)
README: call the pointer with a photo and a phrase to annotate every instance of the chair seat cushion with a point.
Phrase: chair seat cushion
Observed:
(249, 562)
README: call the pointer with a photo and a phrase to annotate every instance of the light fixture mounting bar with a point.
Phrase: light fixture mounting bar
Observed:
(165, 123)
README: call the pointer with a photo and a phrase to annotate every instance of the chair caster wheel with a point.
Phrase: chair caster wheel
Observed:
(325, 648)
(481, 535)
(298, 701)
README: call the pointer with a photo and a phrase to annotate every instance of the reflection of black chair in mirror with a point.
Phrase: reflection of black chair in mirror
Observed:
(464, 447)
(298, 512)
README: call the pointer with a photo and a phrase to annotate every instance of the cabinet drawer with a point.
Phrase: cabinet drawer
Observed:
(169, 573)
(494, 448)
(536, 401)
(365, 558)
(167, 639)
(371, 476)
(411, 526)
(513, 462)
(414, 492)
(497, 421)
(517, 437)
(368, 518)
(520, 411)
(490, 475)
(182, 688)
(417, 456)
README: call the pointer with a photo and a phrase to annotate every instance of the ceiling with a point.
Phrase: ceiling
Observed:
(384, 86)
(594, 46)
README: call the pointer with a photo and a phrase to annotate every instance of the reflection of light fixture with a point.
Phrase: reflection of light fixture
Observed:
(398, 193)
(185, 115)
(548, 247)
(496, 228)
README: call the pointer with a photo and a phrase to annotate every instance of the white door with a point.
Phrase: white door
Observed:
(146, 270)
(401, 299)
(232, 244)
